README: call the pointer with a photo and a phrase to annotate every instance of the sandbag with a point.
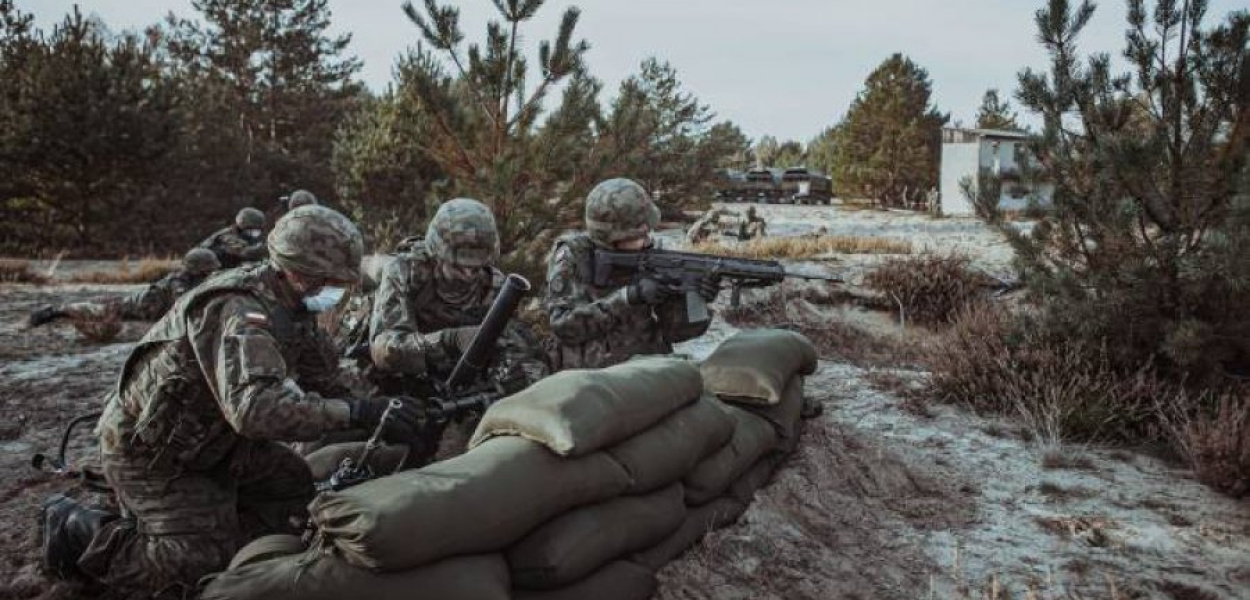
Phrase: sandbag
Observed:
(265, 548)
(753, 438)
(620, 580)
(384, 460)
(325, 577)
(575, 544)
(755, 366)
(743, 488)
(785, 416)
(480, 501)
(579, 411)
(699, 521)
(666, 452)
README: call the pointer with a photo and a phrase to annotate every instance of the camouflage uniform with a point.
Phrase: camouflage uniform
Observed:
(150, 303)
(417, 302)
(598, 326)
(729, 223)
(233, 246)
(185, 437)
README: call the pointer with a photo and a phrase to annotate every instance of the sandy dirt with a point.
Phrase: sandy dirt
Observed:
(882, 500)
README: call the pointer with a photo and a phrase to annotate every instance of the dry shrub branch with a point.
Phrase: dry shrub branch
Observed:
(19, 271)
(146, 271)
(930, 289)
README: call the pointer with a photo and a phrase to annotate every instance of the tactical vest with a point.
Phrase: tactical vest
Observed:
(164, 406)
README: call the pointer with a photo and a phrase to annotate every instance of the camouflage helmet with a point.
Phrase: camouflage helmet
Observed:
(618, 210)
(250, 218)
(316, 241)
(200, 261)
(300, 198)
(463, 233)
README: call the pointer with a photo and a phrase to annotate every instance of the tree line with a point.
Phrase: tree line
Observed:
(144, 142)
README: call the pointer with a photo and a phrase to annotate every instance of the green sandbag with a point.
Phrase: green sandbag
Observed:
(785, 416)
(265, 548)
(620, 580)
(743, 489)
(480, 501)
(323, 461)
(579, 411)
(755, 366)
(753, 438)
(325, 577)
(666, 452)
(575, 544)
(699, 520)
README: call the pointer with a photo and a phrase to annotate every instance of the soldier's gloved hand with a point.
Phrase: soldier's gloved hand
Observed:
(457, 339)
(648, 291)
(709, 288)
(403, 426)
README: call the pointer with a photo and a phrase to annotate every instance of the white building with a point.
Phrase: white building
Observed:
(966, 151)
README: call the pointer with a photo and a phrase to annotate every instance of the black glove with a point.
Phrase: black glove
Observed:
(648, 291)
(403, 426)
(709, 288)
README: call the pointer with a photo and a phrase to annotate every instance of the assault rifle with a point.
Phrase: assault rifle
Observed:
(683, 271)
(474, 384)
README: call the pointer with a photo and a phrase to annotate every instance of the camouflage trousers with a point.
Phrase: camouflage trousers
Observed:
(100, 309)
(181, 527)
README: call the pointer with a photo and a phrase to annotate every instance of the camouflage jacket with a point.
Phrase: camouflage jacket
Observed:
(235, 358)
(150, 303)
(596, 326)
(410, 310)
(232, 249)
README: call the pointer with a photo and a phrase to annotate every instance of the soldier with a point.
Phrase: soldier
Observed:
(188, 437)
(240, 243)
(299, 198)
(431, 299)
(754, 227)
(602, 326)
(147, 305)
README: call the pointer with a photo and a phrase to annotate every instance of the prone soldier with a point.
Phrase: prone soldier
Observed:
(148, 304)
(189, 435)
(240, 243)
(602, 325)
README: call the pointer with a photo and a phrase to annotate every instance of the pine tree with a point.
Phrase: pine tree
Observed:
(888, 144)
(1145, 251)
(86, 123)
(995, 113)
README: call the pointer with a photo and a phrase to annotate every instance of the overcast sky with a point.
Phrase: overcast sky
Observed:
(787, 68)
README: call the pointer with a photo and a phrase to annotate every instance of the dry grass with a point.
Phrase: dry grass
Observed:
(19, 271)
(834, 338)
(930, 289)
(1218, 445)
(1060, 389)
(774, 248)
(147, 270)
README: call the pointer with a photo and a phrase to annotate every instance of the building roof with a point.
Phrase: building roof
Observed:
(988, 133)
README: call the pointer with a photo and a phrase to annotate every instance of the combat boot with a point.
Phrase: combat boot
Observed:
(44, 315)
(68, 528)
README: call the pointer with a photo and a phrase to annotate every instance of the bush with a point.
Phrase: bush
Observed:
(147, 271)
(773, 248)
(19, 271)
(1061, 388)
(1218, 445)
(929, 289)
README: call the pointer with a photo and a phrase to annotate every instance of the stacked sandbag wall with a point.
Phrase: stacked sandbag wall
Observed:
(581, 486)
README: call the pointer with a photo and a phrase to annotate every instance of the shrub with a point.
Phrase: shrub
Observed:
(774, 248)
(929, 289)
(19, 271)
(148, 270)
(1218, 445)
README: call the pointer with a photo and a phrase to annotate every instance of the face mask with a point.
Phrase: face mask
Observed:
(252, 233)
(325, 299)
